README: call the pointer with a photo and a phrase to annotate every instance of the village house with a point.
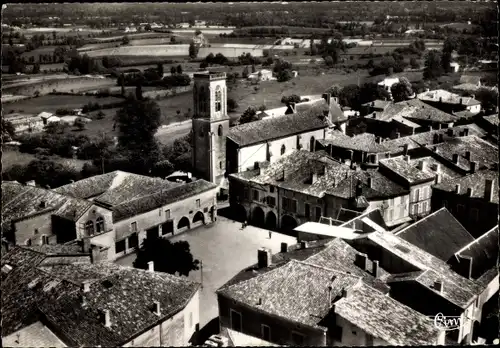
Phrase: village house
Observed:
(387, 84)
(262, 75)
(490, 125)
(450, 102)
(455, 67)
(143, 207)
(468, 83)
(472, 199)
(58, 297)
(48, 117)
(200, 40)
(24, 123)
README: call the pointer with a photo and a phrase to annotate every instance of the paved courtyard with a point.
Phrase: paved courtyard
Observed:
(225, 249)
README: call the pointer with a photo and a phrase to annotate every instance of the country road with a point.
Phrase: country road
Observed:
(168, 135)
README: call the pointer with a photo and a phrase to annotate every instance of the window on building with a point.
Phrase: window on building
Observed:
(220, 164)
(45, 240)
(255, 195)
(337, 333)
(414, 209)
(283, 149)
(218, 99)
(221, 130)
(390, 214)
(167, 214)
(369, 340)
(99, 224)
(133, 241)
(120, 246)
(198, 203)
(474, 214)
(133, 226)
(236, 320)
(36, 230)
(271, 189)
(318, 213)
(307, 210)
(297, 338)
(266, 332)
(417, 195)
(89, 228)
(424, 207)
(271, 201)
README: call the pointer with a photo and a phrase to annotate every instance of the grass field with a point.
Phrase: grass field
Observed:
(11, 157)
(40, 51)
(51, 103)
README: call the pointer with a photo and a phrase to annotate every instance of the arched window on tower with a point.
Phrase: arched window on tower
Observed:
(218, 99)
(283, 149)
(221, 130)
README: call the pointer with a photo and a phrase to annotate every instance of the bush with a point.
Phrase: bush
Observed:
(231, 104)
(80, 124)
(100, 115)
(284, 76)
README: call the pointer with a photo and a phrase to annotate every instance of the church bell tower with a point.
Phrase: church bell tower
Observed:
(210, 126)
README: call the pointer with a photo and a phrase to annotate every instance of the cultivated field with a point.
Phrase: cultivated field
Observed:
(51, 103)
(11, 157)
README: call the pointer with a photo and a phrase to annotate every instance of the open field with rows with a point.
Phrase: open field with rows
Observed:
(51, 103)
(10, 157)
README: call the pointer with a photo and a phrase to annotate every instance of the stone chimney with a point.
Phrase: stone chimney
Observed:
(407, 158)
(466, 132)
(470, 191)
(156, 308)
(370, 182)
(345, 293)
(405, 149)
(439, 178)
(375, 158)
(450, 132)
(430, 128)
(107, 318)
(264, 257)
(473, 167)
(488, 190)
(284, 247)
(361, 261)
(455, 158)
(438, 286)
(151, 266)
(86, 286)
(422, 165)
(441, 137)
(304, 244)
(461, 101)
(31, 183)
(375, 269)
(314, 177)
(292, 107)
(457, 188)
(398, 135)
(378, 140)
(467, 155)
(438, 168)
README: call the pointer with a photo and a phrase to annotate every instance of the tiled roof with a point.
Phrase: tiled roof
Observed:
(492, 119)
(116, 187)
(34, 335)
(470, 79)
(31, 291)
(362, 142)
(297, 291)
(466, 87)
(447, 97)
(405, 122)
(439, 234)
(457, 289)
(475, 181)
(377, 104)
(278, 127)
(481, 151)
(49, 249)
(483, 251)
(159, 199)
(408, 170)
(418, 110)
(19, 201)
(383, 317)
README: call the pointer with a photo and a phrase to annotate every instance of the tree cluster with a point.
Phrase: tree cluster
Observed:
(354, 96)
(219, 58)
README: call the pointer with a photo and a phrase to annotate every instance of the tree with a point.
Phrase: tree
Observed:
(179, 69)
(414, 63)
(245, 72)
(172, 40)
(100, 115)
(488, 99)
(173, 70)
(80, 124)
(328, 61)
(168, 257)
(334, 90)
(54, 35)
(250, 115)
(193, 50)
(163, 168)
(433, 68)
(253, 68)
(8, 130)
(284, 75)
(291, 98)
(231, 104)
(197, 32)
(125, 40)
(446, 61)
(147, 27)
(137, 123)
(36, 68)
(401, 90)
(160, 69)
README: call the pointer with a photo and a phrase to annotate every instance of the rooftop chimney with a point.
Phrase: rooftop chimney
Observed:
(107, 318)
(378, 140)
(328, 98)
(314, 177)
(345, 293)
(156, 308)
(473, 167)
(440, 99)
(439, 126)
(457, 188)
(422, 165)
(438, 168)
(260, 301)
(151, 266)
(407, 158)
(351, 154)
(441, 137)
(31, 183)
(470, 191)
(375, 158)
(405, 149)
(455, 158)
(361, 261)
(461, 101)
(398, 135)
(304, 244)
(370, 182)
(438, 286)
(430, 128)
(71, 181)
(439, 177)
(284, 247)
(42, 204)
(450, 132)
(488, 190)
(292, 106)
(467, 155)
(329, 290)
(86, 286)
(375, 269)
(264, 257)
(466, 131)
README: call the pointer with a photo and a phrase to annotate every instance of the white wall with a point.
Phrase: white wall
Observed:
(475, 109)
(192, 309)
